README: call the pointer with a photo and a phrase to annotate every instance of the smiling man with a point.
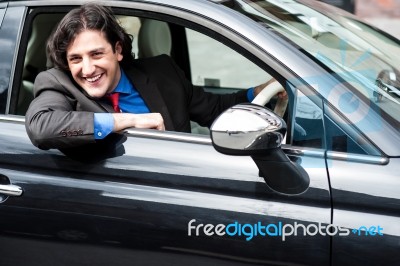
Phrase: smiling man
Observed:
(93, 63)
(97, 87)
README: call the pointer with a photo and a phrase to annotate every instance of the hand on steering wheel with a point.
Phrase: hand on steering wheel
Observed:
(271, 89)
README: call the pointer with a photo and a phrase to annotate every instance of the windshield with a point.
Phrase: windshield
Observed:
(364, 57)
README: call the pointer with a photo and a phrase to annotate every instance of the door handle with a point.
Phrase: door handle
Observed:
(11, 190)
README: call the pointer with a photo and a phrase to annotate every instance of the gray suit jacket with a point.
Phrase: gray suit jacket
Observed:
(62, 114)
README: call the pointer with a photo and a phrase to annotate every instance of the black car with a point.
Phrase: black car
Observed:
(317, 184)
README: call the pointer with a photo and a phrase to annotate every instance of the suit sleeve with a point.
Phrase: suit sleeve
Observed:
(51, 121)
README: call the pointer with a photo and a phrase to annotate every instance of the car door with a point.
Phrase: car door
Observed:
(151, 197)
(364, 186)
(366, 200)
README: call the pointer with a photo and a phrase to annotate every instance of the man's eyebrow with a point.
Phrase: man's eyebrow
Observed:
(100, 49)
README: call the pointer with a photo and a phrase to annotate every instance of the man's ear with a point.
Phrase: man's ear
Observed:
(118, 51)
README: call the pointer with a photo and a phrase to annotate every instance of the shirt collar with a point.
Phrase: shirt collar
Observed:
(124, 84)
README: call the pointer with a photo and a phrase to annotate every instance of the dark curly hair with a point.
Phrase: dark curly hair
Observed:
(90, 16)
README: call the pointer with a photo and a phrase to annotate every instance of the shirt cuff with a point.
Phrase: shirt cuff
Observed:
(103, 125)
(250, 94)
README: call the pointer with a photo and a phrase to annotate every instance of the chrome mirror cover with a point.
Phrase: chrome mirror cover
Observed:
(247, 129)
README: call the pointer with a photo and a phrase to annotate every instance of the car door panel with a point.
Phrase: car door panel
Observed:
(367, 199)
(143, 200)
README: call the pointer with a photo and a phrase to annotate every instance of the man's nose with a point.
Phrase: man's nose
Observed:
(88, 67)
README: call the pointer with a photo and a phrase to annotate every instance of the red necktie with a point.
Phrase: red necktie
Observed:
(114, 98)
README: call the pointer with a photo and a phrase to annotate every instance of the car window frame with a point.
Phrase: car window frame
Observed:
(184, 22)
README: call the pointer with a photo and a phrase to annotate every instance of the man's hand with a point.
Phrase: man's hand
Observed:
(259, 88)
(127, 120)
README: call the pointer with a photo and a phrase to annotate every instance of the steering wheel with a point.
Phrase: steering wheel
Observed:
(267, 93)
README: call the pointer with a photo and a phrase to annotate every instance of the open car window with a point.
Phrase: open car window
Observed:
(206, 62)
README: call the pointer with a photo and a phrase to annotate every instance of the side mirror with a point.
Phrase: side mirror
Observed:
(249, 129)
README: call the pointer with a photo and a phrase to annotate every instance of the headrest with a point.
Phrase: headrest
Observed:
(154, 38)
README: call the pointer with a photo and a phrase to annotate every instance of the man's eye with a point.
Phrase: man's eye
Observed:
(74, 59)
(97, 54)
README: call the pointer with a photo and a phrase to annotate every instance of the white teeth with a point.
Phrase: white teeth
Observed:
(94, 79)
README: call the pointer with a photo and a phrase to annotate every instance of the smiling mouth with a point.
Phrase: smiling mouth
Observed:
(94, 79)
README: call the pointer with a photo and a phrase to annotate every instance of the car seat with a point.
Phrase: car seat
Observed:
(35, 57)
(154, 38)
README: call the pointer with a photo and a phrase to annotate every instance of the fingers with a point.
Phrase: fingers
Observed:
(259, 88)
(151, 120)
(283, 95)
(159, 122)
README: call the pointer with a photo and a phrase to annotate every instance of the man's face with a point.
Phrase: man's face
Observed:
(93, 64)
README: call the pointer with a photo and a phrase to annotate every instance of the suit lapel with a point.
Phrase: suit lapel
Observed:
(151, 95)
